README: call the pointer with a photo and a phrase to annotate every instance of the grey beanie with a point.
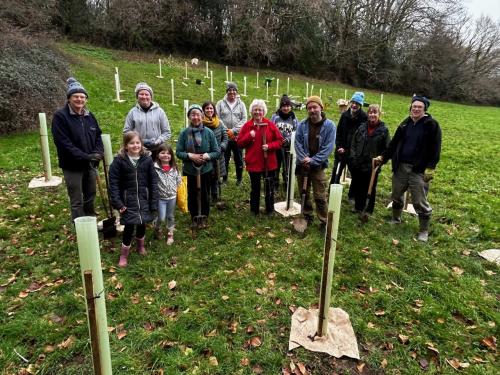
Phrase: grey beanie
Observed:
(231, 85)
(143, 86)
(74, 87)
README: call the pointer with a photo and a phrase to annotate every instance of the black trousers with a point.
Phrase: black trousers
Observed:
(81, 187)
(193, 194)
(336, 176)
(255, 181)
(128, 232)
(361, 182)
(283, 157)
(232, 147)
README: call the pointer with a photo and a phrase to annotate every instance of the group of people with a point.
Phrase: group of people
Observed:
(144, 177)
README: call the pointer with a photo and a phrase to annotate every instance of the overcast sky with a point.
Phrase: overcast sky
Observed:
(487, 7)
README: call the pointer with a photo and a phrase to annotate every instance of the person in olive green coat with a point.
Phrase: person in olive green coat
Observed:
(196, 147)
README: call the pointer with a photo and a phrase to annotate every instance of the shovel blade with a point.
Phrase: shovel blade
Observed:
(108, 228)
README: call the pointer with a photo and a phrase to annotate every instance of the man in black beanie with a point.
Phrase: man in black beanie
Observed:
(415, 150)
(77, 137)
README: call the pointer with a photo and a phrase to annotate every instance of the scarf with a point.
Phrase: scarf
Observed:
(166, 168)
(286, 116)
(195, 136)
(212, 123)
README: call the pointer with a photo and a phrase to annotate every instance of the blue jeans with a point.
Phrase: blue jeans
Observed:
(166, 209)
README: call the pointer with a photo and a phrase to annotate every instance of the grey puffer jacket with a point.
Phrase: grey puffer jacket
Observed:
(134, 187)
(152, 125)
(232, 118)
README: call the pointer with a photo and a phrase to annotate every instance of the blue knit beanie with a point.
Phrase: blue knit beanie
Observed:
(423, 99)
(74, 87)
(358, 97)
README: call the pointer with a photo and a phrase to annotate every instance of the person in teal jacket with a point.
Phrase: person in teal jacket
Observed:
(196, 147)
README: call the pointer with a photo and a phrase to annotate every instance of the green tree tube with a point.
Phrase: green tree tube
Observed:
(44, 141)
(90, 259)
(332, 227)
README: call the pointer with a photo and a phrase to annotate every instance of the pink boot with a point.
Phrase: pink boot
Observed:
(140, 245)
(123, 256)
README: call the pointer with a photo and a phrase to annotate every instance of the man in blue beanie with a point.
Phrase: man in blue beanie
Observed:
(349, 122)
(415, 151)
(77, 137)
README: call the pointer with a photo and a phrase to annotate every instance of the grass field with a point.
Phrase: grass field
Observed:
(414, 307)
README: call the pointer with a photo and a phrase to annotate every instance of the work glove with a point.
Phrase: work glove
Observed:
(378, 160)
(428, 174)
(95, 157)
(148, 143)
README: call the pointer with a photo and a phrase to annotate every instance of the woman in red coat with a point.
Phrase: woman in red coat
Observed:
(261, 139)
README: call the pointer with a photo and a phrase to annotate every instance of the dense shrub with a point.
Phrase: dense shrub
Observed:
(32, 80)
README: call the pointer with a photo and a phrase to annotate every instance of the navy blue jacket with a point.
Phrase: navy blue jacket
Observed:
(429, 148)
(134, 187)
(365, 147)
(76, 136)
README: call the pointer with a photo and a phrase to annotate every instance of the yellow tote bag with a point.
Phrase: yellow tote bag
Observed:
(182, 203)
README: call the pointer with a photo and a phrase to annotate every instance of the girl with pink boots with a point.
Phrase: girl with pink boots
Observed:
(169, 179)
(134, 192)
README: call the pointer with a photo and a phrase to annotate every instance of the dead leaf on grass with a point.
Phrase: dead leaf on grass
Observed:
(225, 298)
(250, 329)
(423, 363)
(457, 270)
(244, 362)
(403, 339)
(360, 367)
(490, 342)
(67, 343)
(213, 361)
(149, 326)
(379, 312)
(23, 294)
(257, 369)
(121, 332)
(289, 241)
(233, 327)
(395, 242)
(384, 363)
(172, 284)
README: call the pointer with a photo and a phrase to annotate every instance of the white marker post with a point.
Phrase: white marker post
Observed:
(381, 102)
(345, 94)
(48, 179)
(320, 93)
(288, 86)
(231, 76)
(267, 91)
(244, 86)
(206, 70)
(277, 103)
(227, 74)
(211, 89)
(172, 89)
(119, 84)
(117, 89)
(257, 86)
(186, 70)
(312, 89)
(277, 87)
(307, 90)
(159, 65)
(186, 107)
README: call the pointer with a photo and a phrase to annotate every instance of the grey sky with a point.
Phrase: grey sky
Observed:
(486, 7)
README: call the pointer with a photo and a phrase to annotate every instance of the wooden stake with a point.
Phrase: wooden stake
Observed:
(94, 336)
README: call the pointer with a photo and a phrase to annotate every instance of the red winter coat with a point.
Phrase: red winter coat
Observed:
(254, 156)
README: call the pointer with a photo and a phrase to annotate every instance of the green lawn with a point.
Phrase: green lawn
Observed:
(244, 272)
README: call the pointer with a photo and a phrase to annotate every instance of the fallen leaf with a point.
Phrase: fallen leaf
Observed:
(466, 252)
(490, 342)
(172, 284)
(271, 275)
(292, 308)
(419, 303)
(244, 361)
(395, 242)
(457, 270)
(212, 333)
(432, 348)
(121, 332)
(278, 301)
(233, 327)
(149, 326)
(12, 278)
(119, 286)
(403, 339)
(135, 299)
(440, 320)
(490, 273)
(48, 349)
(370, 325)
(67, 343)
(23, 294)
(257, 369)
(250, 330)
(360, 367)
(455, 363)
(384, 363)
(168, 344)
(256, 341)
(379, 312)
(213, 361)
(302, 368)
(225, 298)
(271, 234)
(423, 363)
(289, 241)
(261, 291)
